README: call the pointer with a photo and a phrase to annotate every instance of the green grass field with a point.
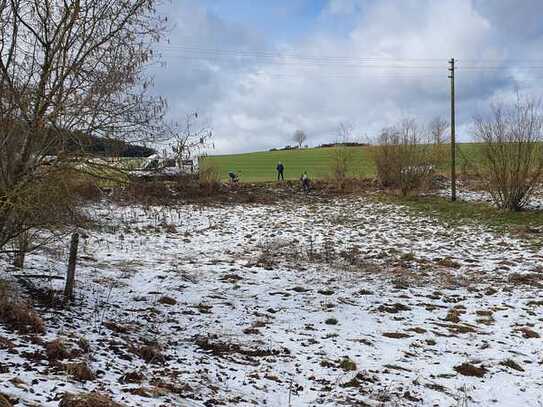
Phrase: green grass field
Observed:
(318, 162)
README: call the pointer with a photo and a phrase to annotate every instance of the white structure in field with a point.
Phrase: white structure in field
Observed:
(169, 166)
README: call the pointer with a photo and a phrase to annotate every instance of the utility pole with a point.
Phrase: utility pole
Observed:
(453, 133)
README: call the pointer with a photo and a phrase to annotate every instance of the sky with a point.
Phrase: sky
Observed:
(257, 70)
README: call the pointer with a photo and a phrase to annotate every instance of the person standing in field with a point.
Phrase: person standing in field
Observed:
(280, 171)
(305, 181)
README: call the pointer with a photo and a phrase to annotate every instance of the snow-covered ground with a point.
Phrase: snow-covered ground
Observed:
(470, 195)
(307, 303)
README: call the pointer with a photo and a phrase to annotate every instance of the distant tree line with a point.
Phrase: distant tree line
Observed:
(325, 145)
(285, 148)
(102, 147)
(79, 143)
(344, 144)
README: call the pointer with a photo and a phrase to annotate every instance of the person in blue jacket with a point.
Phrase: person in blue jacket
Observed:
(280, 171)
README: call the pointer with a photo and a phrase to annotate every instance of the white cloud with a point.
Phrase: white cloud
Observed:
(257, 102)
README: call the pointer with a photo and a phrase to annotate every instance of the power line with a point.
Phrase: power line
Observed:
(274, 54)
(317, 73)
(323, 63)
(216, 52)
(345, 64)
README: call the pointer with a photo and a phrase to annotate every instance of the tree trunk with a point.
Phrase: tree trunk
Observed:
(23, 243)
(19, 260)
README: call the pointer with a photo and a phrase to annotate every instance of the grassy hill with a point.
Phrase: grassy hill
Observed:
(318, 162)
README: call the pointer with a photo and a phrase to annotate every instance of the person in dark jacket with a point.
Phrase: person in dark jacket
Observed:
(280, 171)
(305, 181)
(234, 178)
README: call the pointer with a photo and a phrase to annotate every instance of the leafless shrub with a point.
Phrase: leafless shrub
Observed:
(187, 140)
(342, 156)
(405, 157)
(439, 139)
(438, 130)
(512, 136)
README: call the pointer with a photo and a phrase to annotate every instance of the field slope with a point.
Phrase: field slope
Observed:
(318, 162)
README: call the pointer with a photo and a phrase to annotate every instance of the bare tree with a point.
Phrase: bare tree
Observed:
(68, 67)
(438, 130)
(299, 137)
(188, 139)
(342, 155)
(512, 135)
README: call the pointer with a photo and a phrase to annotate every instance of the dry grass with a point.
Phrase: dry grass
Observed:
(79, 371)
(348, 365)
(395, 335)
(528, 333)
(467, 369)
(4, 402)
(167, 300)
(209, 178)
(531, 279)
(454, 315)
(18, 314)
(131, 377)
(56, 350)
(512, 364)
(150, 353)
(87, 400)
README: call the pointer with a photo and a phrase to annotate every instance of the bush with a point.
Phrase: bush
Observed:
(45, 205)
(406, 158)
(512, 157)
(209, 178)
(342, 156)
(86, 188)
(149, 192)
(18, 314)
(342, 162)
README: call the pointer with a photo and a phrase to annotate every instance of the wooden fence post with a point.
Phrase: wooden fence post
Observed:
(70, 275)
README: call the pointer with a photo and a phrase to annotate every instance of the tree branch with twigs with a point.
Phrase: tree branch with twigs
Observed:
(299, 137)
(69, 67)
